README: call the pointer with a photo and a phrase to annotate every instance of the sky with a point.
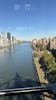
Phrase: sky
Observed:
(28, 19)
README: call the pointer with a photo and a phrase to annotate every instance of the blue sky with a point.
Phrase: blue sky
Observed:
(27, 19)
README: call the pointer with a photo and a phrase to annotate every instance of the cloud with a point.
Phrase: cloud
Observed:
(22, 28)
(27, 7)
(17, 7)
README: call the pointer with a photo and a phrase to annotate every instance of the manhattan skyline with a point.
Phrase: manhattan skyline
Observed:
(28, 19)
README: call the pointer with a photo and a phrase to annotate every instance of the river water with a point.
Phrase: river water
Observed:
(17, 70)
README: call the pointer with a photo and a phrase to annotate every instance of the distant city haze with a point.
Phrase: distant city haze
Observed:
(7, 41)
(28, 19)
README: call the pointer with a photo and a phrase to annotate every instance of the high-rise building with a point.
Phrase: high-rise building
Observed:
(13, 40)
(9, 38)
(34, 41)
(0, 40)
(3, 39)
(44, 41)
(53, 43)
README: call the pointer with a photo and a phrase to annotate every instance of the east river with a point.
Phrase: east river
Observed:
(17, 70)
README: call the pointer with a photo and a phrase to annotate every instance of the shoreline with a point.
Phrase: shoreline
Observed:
(39, 70)
(41, 76)
(38, 80)
(1, 47)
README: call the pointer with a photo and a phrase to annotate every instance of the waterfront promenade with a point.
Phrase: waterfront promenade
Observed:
(42, 79)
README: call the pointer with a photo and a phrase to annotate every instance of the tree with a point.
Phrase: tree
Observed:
(50, 64)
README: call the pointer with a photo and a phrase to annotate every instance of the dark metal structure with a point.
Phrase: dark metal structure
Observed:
(51, 88)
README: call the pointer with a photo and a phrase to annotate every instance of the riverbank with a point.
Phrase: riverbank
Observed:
(40, 72)
(1, 47)
(41, 76)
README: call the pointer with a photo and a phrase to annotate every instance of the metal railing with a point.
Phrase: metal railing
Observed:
(51, 88)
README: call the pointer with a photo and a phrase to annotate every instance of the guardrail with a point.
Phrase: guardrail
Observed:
(51, 88)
